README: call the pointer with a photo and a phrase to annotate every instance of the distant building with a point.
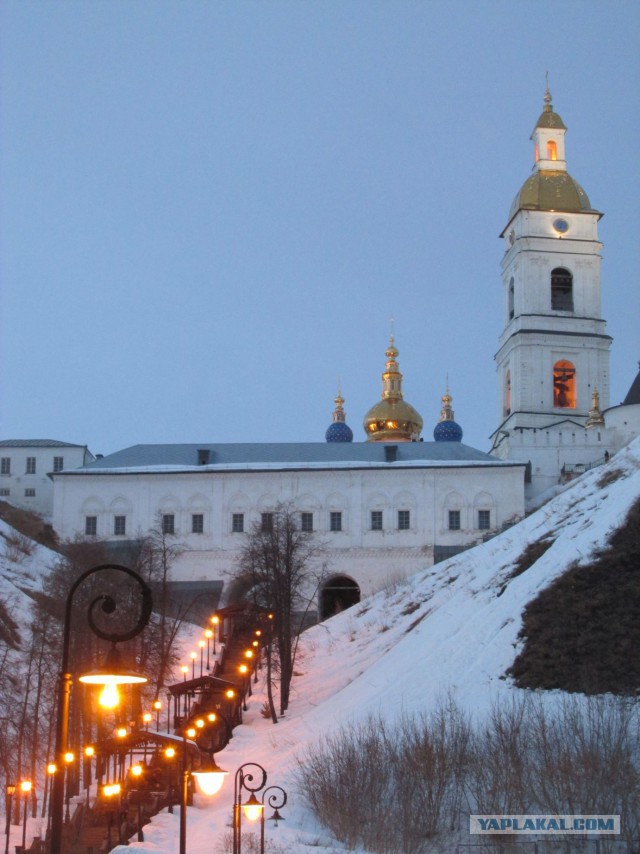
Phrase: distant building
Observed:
(382, 509)
(25, 466)
(553, 358)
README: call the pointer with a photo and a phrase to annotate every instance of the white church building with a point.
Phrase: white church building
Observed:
(381, 509)
(553, 356)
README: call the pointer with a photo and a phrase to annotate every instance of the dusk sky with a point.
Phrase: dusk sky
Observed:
(211, 210)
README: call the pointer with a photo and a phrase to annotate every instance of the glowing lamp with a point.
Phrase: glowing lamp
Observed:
(25, 786)
(147, 717)
(89, 750)
(69, 757)
(230, 694)
(157, 705)
(215, 620)
(202, 644)
(253, 808)
(199, 723)
(208, 633)
(112, 674)
(170, 752)
(211, 717)
(191, 733)
(136, 770)
(122, 732)
(210, 782)
(51, 769)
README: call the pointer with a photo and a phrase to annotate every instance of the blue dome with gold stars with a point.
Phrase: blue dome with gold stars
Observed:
(339, 430)
(447, 429)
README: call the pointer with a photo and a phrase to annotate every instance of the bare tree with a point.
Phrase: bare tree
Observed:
(279, 568)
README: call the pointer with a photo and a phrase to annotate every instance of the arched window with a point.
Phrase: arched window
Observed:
(552, 150)
(507, 393)
(564, 385)
(561, 290)
(511, 298)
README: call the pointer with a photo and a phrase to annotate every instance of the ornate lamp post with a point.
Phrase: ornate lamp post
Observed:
(9, 793)
(276, 800)
(25, 788)
(254, 780)
(112, 675)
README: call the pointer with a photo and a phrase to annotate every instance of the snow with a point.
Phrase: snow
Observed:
(449, 630)
(445, 631)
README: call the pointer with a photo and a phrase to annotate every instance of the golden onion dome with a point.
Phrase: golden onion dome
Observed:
(392, 419)
(551, 191)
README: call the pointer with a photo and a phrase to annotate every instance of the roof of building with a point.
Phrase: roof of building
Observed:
(291, 455)
(551, 191)
(37, 443)
(633, 395)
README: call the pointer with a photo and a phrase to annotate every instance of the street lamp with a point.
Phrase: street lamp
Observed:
(109, 677)
(208, 634)
(276, 800)
(25, 788)
(9, 793)
(214, 622)
(252, 781)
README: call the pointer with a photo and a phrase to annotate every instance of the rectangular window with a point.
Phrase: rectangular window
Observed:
(58, 463)
(197, 523)
(168, 523)
(404, 520)
(90, 526)
(266, 522)
(484, 520)
(5, 465)
(5, 491)
(119, 525)
(376, 520)
(30, 493)
(237, 523)
(306, 522)
(335, 520)
(454, 520)
(31, 465)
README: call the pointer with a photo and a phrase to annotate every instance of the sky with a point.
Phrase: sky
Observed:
(211, 211)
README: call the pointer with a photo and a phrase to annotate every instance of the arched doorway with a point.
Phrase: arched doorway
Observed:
(338, 593)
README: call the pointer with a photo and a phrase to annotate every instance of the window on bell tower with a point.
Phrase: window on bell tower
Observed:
(552, 150)
(564, 385)
(561, 290)
(511, 298)
(507, 394)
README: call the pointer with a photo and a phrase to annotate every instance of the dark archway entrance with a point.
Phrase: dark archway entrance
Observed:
(338, 593)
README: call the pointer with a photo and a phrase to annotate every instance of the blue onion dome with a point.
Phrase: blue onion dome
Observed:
(447, 429)
(339, 430)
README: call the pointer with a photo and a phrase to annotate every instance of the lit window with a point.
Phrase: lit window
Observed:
(168, 523)
(376, 520)
(335, 520)
(266, 522)
(5, 465)
(119, 526)
(197, 523)
(30, 493)
(454, 520)
(90, 526)
(58, 463)
(552, 150)
(31, 465)
(237, 523)
(404, 520)
(306, 522)
(484, 520)
(564, 385)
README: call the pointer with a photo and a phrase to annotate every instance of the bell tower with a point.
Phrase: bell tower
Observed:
(553, 351)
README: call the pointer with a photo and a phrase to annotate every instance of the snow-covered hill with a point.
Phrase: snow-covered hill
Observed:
(451, 629)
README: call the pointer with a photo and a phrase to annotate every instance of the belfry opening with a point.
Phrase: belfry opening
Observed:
(338, 594)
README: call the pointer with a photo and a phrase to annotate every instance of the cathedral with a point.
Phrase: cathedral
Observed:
(398, 501)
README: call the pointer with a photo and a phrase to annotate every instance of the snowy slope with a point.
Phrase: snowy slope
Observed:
(451, 628)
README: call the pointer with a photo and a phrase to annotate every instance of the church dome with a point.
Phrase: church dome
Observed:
(392, 419)
(447, 429)
(339, 430)
(551, 191)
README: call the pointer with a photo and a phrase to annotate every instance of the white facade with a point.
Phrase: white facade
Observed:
(554, 351)
(204, 503)
(25, 466)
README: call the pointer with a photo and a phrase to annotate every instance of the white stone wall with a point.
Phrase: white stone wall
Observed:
(371, 558)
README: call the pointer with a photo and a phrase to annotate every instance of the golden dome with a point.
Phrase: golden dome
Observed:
(392, 419)
(551, 191)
